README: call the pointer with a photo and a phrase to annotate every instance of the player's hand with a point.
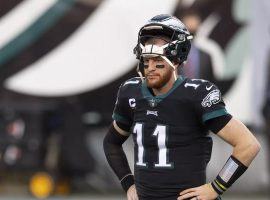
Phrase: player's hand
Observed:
(132, 193)
(204, 192)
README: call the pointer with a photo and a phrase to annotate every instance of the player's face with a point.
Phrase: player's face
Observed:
(157, 71)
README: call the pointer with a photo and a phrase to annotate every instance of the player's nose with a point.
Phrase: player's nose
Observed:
(151, 64)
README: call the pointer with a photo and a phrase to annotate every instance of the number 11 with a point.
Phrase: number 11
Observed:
(160, 133)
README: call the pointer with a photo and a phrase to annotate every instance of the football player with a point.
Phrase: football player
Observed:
(169, 117)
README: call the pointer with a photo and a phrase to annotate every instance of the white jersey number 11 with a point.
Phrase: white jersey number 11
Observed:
(160, 133)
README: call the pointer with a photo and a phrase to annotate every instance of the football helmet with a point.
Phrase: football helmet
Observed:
(163, 26)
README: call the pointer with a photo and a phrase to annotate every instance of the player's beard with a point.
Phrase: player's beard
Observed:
(159, 82)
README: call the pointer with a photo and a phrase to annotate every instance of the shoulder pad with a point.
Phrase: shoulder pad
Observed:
(199, 86)
(129, 87)
(194, 84)
(132, 81)
(195, 80)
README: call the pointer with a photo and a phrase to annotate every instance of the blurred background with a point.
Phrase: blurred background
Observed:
(62, 61)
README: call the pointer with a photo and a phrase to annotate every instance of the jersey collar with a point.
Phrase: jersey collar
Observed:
(148, 95)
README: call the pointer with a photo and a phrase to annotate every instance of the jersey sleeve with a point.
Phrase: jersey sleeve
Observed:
(209, 103)
(122, 112)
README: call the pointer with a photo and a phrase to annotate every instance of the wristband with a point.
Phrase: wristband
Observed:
(127, 181)
(231, 171)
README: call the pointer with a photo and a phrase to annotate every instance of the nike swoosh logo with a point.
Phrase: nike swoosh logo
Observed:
(209, 88)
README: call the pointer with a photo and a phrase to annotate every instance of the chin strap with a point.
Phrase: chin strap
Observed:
(139, 72)
(171, 64)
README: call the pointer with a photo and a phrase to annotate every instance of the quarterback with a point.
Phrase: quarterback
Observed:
(169, 117)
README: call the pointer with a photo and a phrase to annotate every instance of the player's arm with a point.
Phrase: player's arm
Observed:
(245, 148)
(245, 145)
(117, 135)
(115, 155)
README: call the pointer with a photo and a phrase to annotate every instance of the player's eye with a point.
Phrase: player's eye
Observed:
(160, 66)
(145, 66)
